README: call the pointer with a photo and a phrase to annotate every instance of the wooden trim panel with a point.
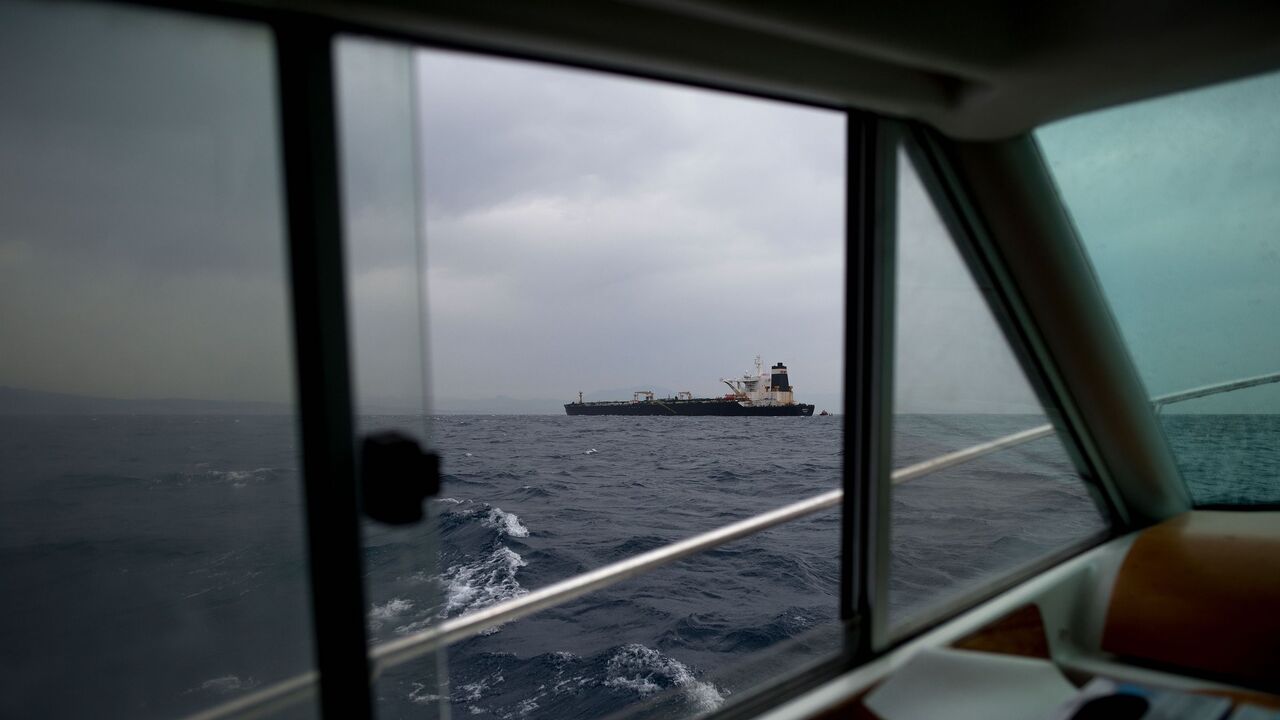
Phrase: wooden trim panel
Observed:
(1201, 592)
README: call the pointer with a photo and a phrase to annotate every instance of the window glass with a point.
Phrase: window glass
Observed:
(957, 383)
(152, 554)
(592, 234)
(381, 195)
(1177, 201)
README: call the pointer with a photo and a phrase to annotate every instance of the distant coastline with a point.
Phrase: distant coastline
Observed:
(19, 401)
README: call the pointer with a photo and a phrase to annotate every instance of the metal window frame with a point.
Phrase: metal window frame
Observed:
(922, 148)
(306, 92)
(312, 178)
(869, 322)
(973, 242)
(305, 57)
(1004, 202)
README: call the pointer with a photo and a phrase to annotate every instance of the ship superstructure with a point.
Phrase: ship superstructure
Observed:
(761, 394)
(762, 389)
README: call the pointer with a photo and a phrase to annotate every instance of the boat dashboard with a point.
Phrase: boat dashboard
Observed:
(1186, 605)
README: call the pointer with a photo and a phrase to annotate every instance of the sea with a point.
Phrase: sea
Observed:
(154, 566)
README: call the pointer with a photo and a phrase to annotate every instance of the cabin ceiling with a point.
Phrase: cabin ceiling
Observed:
(981, 69)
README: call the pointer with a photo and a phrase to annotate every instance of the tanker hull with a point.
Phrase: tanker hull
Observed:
(694, 407)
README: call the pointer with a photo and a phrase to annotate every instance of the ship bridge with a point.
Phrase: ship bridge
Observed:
(771, 388)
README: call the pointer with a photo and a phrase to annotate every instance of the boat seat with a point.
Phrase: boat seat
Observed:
(1200, 593)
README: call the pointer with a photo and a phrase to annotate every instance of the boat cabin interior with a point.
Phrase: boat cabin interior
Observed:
(987, 104)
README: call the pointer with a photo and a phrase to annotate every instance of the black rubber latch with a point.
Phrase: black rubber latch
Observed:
(395, 477)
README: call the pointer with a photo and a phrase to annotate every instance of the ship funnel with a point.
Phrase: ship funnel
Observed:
(778, 381)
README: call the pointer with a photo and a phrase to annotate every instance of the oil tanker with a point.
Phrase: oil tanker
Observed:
(760, 395)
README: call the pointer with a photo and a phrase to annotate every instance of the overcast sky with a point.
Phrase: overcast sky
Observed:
(951, 356)
(588, 232)
(567, 230)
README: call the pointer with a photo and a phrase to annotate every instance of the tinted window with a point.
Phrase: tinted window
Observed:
(152, 549)
(585, 232)
(1177, 201)
(958, 383)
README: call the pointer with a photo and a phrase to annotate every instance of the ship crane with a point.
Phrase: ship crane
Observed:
(737, 392)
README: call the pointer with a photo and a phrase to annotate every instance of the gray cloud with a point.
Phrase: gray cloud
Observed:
(586, 232)
(580, 231)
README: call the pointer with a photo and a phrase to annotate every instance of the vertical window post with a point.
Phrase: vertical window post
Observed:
(309, 138)
(869, 227)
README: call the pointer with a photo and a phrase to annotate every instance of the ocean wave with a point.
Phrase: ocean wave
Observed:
(489, 580)
(234, 478)
(420, 694)
(645, 671)
(239, 478)
(226, 685)
(389, 610)
(505, 522)
(470, 692)
(562, 684)
(461, 514)
(791, 623)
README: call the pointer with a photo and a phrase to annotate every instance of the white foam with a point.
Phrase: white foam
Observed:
(642, 685)
(416, 625)
(227, 684)
(234, 478)
(478, 584)
(391, 609)
(640, 669)
(592, 451)
(420, 695)
(704, 696)
(505, 522)
(474, 691)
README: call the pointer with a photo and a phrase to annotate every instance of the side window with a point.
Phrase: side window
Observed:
(599, 253)
(958, 383)
(383, 243)
(152, 559)
(1174, 199)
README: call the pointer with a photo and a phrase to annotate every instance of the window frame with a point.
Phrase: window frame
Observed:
(305, 54)
(924, 150)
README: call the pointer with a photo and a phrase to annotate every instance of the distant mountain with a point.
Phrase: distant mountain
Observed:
(624, 393)
(503, 405)
(18, 401)
(500, 405)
